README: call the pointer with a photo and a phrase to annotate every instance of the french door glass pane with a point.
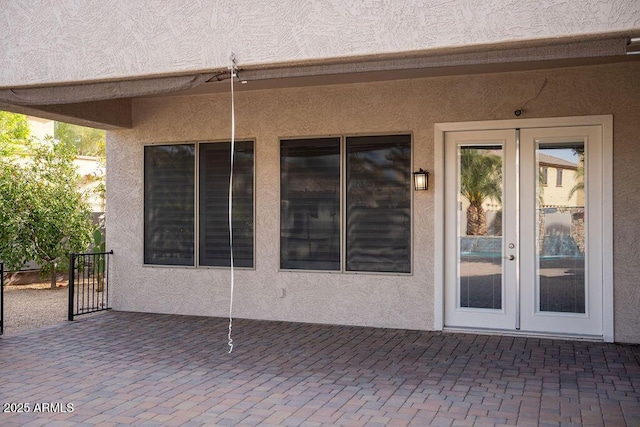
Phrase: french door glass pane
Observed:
(378, 216)
(215, 168)
(310, 204)
(169, 204)
(561, 228)
(479, 222)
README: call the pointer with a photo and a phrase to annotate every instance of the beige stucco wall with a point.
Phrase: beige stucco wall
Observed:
(40, 128)
(55, 41)
(394, 106)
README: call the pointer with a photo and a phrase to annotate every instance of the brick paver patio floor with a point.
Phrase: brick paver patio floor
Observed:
(122, 368)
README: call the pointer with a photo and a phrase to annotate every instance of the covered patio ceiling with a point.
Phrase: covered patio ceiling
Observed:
(108, 104)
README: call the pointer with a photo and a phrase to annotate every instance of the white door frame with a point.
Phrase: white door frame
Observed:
(606, 121)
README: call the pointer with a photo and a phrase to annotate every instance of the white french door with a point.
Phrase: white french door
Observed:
(523, 235)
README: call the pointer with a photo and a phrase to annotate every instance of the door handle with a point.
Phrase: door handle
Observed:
(510, 257)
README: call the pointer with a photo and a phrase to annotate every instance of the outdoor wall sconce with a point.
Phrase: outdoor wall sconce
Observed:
(421, 180)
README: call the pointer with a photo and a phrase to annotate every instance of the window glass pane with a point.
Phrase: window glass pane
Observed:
(310, 204)
(561, 246)
(169, 204)
(544, 175)
(480, 195)
(378, 234)
(215, 167)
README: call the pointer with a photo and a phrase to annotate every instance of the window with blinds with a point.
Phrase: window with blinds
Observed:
(558, 177)
(214, 170)
(378, 203)
(169, 204)
(310, 204)
(377, 210)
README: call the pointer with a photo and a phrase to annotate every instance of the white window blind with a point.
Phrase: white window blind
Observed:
(378, 211)
(310, 204)
(169, 208)
(169, 204)
(377, 214)
(214, 204)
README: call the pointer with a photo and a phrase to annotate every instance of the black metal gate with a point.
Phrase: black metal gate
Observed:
(1, 298)
(88, 283)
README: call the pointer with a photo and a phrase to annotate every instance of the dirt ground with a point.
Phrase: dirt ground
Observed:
(34, 306)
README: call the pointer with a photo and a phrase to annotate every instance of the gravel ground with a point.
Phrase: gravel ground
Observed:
(33, 306)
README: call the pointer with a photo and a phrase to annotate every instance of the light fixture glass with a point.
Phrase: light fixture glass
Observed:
(421, 180)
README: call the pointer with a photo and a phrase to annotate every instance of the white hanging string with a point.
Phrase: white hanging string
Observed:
(233, 146)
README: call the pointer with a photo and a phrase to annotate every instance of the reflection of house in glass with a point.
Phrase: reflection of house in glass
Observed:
(558, 178)
(561, 202)
(560, 241)
(561, 244)
(310, 204)
(311, 217)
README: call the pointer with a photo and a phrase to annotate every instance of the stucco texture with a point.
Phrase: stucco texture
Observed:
(377, 107)
(57, 41)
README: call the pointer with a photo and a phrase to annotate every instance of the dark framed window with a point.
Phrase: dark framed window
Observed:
(214, 172)
(377, 204)
(169, 204)
(544, 173)
(558, 177)
(310, 204)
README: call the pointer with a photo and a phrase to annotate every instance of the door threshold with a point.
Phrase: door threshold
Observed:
(524, 334)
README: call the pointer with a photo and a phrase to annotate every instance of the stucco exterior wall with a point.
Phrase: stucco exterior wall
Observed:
(40, 128)
(57, 41)
(393, 106)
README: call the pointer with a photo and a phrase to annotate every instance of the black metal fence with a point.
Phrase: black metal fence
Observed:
(1, 298)
(88, 283)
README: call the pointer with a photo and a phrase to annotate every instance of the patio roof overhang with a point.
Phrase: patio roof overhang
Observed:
(108, 104)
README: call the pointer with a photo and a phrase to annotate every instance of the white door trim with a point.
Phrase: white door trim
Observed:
(606, 121)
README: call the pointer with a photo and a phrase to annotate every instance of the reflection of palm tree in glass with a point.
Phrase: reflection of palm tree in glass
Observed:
(480, 179)
(579, 177)
(378, 207)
